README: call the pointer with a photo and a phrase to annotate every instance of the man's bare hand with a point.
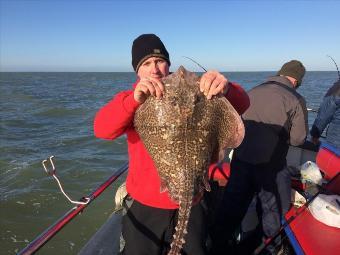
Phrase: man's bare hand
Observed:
(213, 83)
(148, 87)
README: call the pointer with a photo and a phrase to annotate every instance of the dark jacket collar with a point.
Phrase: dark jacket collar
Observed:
(281, 79)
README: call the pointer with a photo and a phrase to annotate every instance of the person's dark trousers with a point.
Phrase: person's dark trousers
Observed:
(284, 185)
(274, 210)
(148, 230)
(247, 180)
(236, 199)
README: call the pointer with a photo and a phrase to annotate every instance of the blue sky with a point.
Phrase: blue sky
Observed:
(61, 35)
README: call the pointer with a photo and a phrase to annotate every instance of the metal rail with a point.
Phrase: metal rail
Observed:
(43, 238)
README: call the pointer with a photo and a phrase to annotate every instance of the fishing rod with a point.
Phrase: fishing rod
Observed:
(308, 109)
(43, 238)
(195, 63)
(335, 65)
(317, 110)
(265, 243)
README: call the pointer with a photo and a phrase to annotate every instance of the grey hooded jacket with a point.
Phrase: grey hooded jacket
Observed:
(277, 117)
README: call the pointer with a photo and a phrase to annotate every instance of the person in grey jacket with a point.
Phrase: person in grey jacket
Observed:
(276, 118)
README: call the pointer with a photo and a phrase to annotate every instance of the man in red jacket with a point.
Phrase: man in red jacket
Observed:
(149, 223)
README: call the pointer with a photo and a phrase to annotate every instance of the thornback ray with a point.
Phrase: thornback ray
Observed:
(183, 132)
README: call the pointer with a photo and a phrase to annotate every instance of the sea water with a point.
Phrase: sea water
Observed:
(45, 114)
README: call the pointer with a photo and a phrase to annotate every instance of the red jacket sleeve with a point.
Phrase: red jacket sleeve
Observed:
(238, 97)
(115, 117)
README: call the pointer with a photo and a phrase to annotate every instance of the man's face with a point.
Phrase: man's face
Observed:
(154, 67)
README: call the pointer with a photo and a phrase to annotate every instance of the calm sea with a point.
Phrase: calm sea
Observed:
(45, 114)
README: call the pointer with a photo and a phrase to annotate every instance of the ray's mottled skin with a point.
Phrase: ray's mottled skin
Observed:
(182, 132)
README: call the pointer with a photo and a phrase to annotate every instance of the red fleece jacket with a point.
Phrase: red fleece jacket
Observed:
(143, 182)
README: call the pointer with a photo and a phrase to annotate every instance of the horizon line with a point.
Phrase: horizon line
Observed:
(134, 72)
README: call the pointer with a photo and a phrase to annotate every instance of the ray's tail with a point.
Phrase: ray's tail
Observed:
(181, 226)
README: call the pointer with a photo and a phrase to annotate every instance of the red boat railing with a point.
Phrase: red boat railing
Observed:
(41, 240)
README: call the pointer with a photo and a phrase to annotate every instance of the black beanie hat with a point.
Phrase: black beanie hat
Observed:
(293, 68)
(146, 46)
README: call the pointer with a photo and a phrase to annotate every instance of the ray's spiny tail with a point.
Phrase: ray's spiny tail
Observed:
(181, 226)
